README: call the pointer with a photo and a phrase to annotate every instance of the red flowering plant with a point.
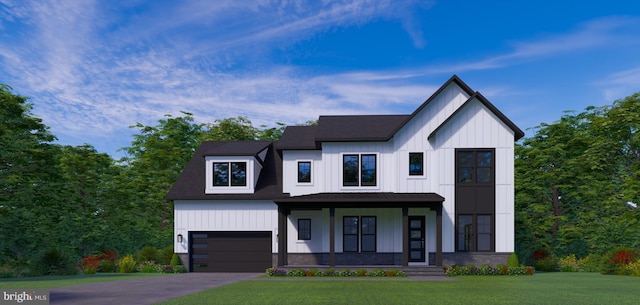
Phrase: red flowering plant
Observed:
(616, 261)
(102, 261)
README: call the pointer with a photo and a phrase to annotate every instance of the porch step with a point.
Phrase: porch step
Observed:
(423, 271)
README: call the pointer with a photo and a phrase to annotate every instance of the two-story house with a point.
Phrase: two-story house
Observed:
(435, 187)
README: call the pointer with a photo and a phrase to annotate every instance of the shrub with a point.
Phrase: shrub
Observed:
(126, 264)
(591, 263)
(546, 264)
(150, 267)
(90, 262)
(634, 268)
(376, 273)
(179, 269)
(569, 264)
(329, 272)
(149, 254)
(296, 272)
(175, 260)
(616, 261)
(54, 262)
(311, 272)
(7, 271)
(361, 272)
(89, 270)
(107, 266)
(513, 260)
(165, 256)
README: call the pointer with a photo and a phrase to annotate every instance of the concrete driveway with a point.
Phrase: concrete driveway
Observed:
(144, 290)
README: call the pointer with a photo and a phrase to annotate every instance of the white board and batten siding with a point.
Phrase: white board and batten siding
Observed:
(477, 127)
(237, 215)
(290, 161)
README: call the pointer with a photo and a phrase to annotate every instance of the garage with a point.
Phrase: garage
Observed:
(230, 251)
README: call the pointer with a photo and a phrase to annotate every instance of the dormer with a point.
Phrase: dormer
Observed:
(234, 167)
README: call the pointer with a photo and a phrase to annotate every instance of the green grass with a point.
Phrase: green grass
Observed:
(542, 288)
(47, 282)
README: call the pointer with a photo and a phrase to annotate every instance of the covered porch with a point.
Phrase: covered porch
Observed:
(401, 203)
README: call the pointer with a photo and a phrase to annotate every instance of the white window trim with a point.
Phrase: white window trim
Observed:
(424, 165)
(312, 173)
(247, 189)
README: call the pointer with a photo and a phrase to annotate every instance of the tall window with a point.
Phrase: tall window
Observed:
(416, 164)
(475, 233)
(359, 170)
(304, 229)
(474, 166)
(304, 172)
(229, 174)
(368, 238)
(350, 234)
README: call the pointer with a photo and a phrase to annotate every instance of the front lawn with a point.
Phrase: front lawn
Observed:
(48, 282)
(542, 288)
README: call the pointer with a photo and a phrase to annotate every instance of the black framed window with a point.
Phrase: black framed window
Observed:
(359, 170)
(304, 229)
(350, 170)
(416, 164)
(230, 174)
(465, 232)
(304, 172)
(368, 170)
(221, 174)
(474, 232)
(368, 234)
(485, 230)
(474, 166)
(350, 234)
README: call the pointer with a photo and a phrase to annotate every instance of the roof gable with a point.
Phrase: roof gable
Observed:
(518, 133)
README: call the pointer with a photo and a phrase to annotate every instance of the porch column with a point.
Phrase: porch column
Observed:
(439, 236)
(282, 237)
(332, 237)
(405, 236)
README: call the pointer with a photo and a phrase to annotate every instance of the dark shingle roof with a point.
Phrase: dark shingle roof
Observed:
(298, 138)
(358, 127)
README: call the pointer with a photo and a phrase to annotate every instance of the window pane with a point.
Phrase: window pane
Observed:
(221, 174)
(416, 233)
(368, 170)
(350, 243)
(483, 158)
(465, 232)
(484, 175)
(465, 159)
(304, 171)
(416, 161)
(368, 243)
(465, 174)
(350, 170)
(350, 234)
(238, 173)
(304, 229)
(369, 225)
(350, 225)
(416, 254)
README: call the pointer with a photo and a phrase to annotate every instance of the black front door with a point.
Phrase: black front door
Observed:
(416, 239)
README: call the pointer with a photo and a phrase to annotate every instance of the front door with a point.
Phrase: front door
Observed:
(416, 239)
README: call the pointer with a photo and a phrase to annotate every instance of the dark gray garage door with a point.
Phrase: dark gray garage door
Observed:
(230, 251)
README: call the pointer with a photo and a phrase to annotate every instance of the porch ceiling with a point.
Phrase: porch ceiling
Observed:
(361, 200)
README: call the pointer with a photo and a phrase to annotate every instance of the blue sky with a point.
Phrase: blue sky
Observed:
(94, 68)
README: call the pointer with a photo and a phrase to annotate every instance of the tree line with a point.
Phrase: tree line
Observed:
(577, 180)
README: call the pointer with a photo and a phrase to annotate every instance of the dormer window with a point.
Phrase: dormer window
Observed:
(230, 174)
